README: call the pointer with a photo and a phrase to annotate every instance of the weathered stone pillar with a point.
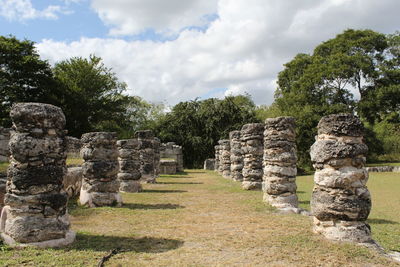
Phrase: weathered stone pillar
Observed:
(209, 164)
(35, 212)
(279, 178)
(146, 139)
(217, 162)
(129, 165)
(236, 156)
(4, 139)
(225, 158)
(340, 201)
(253, 149)
(100, 186)
(157, 156)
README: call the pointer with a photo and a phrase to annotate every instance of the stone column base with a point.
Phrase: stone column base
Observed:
(99, 199)
(282, 201)
(251, 185)
(355, 232)
(130, 186)
(53, 243)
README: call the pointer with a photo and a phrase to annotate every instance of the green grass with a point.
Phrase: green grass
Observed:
(384, 218)
(383, 164)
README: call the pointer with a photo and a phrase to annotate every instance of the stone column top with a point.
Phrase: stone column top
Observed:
(342, 124)
(280, 123)
(224, 142)
(144, 134)
(251, 128)
(128, 143)
(98, 137)
(234, 135)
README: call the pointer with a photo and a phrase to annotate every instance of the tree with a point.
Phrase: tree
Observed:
(24, 77)
(92, 96)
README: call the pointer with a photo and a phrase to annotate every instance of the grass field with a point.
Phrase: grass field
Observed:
(202, 219)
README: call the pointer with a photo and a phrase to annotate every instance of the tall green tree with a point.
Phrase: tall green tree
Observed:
(24, 77)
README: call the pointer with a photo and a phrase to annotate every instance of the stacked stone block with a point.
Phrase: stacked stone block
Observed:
(236, 156)
(129, 165)
(253, 149)
(157, 156)
(217, 161)
(100, 186)
(4, 139)
(340, 201)
(73, 146)
(35, 212)
(147, 169)
(172, 151)
(225, 158)
(279, 178)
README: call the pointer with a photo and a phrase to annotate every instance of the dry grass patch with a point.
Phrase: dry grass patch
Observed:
(194, 219)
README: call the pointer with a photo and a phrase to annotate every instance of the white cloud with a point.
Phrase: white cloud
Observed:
(242, 51)
(22, 10)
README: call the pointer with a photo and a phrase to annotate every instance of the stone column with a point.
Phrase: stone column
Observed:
(4, 139)
(253, 149)
(35, 212)
(100, 186)
(179, 157)
(209, 164)
(225, 158)
(129, 165)
(217, 163)
(146, 139)
(157, 156)
(279, 178)
(340, 201)
(236, 156)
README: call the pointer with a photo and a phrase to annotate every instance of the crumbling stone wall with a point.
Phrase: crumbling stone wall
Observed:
(217, 162)
(4, 139)
(209, 164)
(100, 186)
(73, 146)
(129, 165)
(168, 166)
(253, 149)
(172, 151)
(147, 169)
(279, 178)
(225, 158)
(236, 156)
(35, 211)
(340, 200)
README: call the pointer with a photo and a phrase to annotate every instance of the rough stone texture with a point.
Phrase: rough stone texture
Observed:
(147, 155)
(73, 146)
(100, 186)
(217, 163)
(168, 166)
(279, 178)
(4, 139)
(340, 201)
(253, 150)
(35, 211)
(157, 156)
(236, 156)
(172, 151)
(209, 164)
(73, 181)
(129, 165)
(3, 182)
(225, 158)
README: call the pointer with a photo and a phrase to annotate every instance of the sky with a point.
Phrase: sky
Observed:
(178, 50)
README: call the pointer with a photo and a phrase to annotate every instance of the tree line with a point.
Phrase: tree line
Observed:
(358, 71)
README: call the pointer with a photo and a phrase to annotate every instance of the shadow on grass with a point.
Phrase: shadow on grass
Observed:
(137, 206)
(300, 192)
(85, 241)
(162, 191)
(381, 221)
(306, 202)
(178, 183)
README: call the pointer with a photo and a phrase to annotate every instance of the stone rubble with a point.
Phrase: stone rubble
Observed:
(129, 165)
(225, 158)
(236, 156)
(279, 178)
(340, 200)
(253, 149)
(35, 212)
(147, 154)
(100, 186)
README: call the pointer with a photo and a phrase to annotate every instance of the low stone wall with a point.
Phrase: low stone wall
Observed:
(4, 139)
(73, 181)
(168, 166)
(209, 164)
(384, 169)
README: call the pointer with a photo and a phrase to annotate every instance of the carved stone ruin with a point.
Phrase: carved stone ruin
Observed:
(253, 149)
(217, 163)
(279, 178)
(172, 151)
(341, 201)
(35, 212)
(236, 156)
(4, 139)
(129, 165)
(147, 169)
(100, 186)
(225, 158)
(209, 164)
